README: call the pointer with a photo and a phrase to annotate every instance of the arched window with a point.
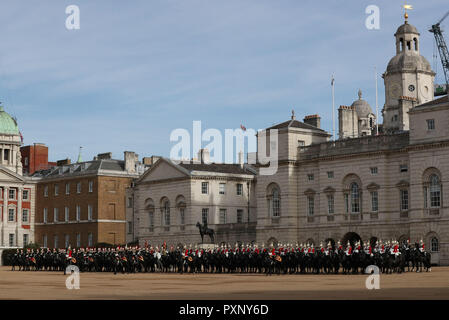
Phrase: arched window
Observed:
(274, 200)
(402, 43)
(355, 198)
(434, 244)
(167, 213)
(435, 191)
(416, 43)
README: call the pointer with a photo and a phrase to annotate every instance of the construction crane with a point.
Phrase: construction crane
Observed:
(444, 54)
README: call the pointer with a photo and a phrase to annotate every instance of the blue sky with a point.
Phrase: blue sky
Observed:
(137, 70)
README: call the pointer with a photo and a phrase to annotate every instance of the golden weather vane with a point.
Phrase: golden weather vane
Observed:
(406, 7)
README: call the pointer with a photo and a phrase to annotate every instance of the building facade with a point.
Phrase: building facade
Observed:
(83, 204)
(17, 192)
(35, 158)
(373, 183)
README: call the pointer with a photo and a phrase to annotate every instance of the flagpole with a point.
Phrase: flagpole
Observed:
(377, 105)
(333, 108)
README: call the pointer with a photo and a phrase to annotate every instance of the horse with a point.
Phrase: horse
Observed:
(204, 230)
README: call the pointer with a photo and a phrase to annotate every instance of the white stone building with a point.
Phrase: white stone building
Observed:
(362, 186)
(17, 193)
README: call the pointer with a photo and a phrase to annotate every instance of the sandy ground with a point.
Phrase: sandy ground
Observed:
(51, 285)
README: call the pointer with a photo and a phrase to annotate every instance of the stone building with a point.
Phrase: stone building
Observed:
(171, 198)
(17, 193)
(364, 186)
(82, 204)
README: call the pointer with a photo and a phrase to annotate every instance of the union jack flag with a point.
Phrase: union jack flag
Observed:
(242, 127)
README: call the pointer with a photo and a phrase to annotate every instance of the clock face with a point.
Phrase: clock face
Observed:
(411, 88)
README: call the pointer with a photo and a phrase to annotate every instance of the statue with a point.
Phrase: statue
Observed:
(204, 230)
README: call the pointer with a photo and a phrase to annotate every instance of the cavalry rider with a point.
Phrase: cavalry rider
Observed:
(421, 246)
(396, 251)
(348, 249)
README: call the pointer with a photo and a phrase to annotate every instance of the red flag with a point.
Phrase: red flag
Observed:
(242, 127)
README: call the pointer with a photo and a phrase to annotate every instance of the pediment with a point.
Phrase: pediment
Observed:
(9, 176)
(162, 170)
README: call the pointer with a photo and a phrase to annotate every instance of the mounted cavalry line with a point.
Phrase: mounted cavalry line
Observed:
(389, 257)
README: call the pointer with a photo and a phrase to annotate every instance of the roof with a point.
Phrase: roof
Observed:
(406, 28)
(410, 60)
(433, 103)
(217, 167)
(295, 124)
(84, 168)
(8, 125)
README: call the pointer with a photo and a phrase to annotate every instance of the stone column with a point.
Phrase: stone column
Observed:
(1, 153)
(5, 215)
(19, 214)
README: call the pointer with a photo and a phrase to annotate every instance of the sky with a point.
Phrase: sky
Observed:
(137, 70)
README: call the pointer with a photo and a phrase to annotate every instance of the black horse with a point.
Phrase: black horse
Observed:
(204, 230)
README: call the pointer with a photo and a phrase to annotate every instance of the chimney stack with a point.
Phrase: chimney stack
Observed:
(131, 159)
(204, 156)
(313, 120)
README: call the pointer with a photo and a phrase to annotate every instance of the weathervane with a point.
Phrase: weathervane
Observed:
(406, 6)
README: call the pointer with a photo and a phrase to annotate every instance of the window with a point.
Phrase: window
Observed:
(67, 188)
(25, 215)
(130, 227)
(435, 191)
(239, 216)
(373, 170)
(11, 239)
(374, 201)
(275, 203)
(404, 200)
(66, 214)
(310, 177)
(301, 143)
(425, 197)
(167, 213)
(89, 212)
(330, 203)
(204, 187)
(403, 168)
(239, 189)
(151, 219)
(431, 124)
(78, 240)
(45, 215)
(56, 242)
(222, 188)
(78, 187)
(78, 213)
(66, 241)
(130, 202)
(55, 214)
(205, 215)
(11, 214)
(346, 203)
(182, 215)
(45, 241)
(25, 239)
(434, 245)
(222, 216)
(46, 191)
(91, 186)
(330, 174)
(355, 198)
(12, 194)
(90, 239)
(25, 195)
(311, 205)
(26, 161)
(6, 154)
(395, 118)
(56, 189)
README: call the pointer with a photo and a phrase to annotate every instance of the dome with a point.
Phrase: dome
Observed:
(362, 107)
(406, 28)
(408, 60)
(7, 124)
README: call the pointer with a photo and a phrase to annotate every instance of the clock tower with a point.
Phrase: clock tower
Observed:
(409, 79)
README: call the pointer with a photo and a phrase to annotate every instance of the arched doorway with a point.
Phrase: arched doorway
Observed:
(332, 241)
(273, 241)
(352, 237)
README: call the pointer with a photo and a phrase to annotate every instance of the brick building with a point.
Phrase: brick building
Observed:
(83, 204)
(35, 158)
